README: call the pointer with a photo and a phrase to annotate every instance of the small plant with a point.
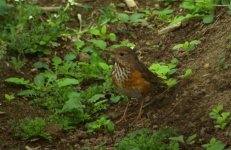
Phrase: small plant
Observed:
(222, 64)
(187, 46)
(25, 16)
(202, 8)
(17, 63)
(214, 144)
(31, 128)
(164, 15)
(145, 139)
(136, 18)
(164, 71)
(102, 121)
(222, 119)
(9, 97)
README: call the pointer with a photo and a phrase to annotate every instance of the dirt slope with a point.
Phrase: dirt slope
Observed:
(185, 107)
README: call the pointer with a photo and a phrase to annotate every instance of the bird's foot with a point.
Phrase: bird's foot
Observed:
(122, 119)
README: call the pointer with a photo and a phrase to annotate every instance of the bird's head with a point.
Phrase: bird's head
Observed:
(124, 56)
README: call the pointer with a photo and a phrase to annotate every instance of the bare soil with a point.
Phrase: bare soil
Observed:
(185, 107)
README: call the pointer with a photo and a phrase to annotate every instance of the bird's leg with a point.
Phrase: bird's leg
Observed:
(140, 110)
(124, 117)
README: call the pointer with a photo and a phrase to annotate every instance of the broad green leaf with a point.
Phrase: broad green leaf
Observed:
(94, 31)
(74, 103)
(67, 81)
(137, 17)
(110, 126)
(69, 57)
(115, 99)
(9, 97)
(20, 81)
(56, 60)
(40, 65)
(79, 44)
(96, 97)
(28, 93)
(112, 37)
(187, 73)
(208, 18)
(39, 80)
(99, 43)
(104, 66)
(177, 47)
(104, 30)
(123, 17)
(178, 138)
(171, 82)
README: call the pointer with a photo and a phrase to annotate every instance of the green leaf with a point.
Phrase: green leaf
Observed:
(3, 7)
(67, 81)
(110, 126)
(40, 65)
(28, 93)
(137, 17)
(177, 47)
(115, 99)
(104, 66)
(56, 60)
(96, 97)
(73, 103)
(191, 139)
(112, 37)
(171, 82)
(99, 43)
(39, 80)
(79, 44)
(104, 30)
(94, 31)
(208, 18)
(178, 138)
(9, 97)
(123, 17)
(187, 73)
(214, 144)
(19, 81)
(70, 57)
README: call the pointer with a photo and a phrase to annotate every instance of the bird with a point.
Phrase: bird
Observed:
(132, 78)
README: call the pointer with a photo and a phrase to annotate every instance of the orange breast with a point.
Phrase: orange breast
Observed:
(136, 81)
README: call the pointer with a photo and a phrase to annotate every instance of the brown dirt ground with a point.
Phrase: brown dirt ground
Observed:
(185, 107)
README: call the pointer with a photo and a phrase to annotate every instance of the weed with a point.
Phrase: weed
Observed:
(222, 64)
(191, 139)
(9, 97)
(135, 18)
(214, 144)
(148, 139)
(164, 15)
(164, 71)
(59, 89)
(203, 8)
(222, 119)
(102, 121)
(19, 36)
(30, 128)
(17, 63)
(187, 46)
(3, 8)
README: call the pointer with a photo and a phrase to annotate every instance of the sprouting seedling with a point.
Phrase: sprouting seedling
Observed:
(187, 46)
(222, 64)
(222, 118)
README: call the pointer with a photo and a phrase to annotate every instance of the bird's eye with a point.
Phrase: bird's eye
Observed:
(121, 54)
